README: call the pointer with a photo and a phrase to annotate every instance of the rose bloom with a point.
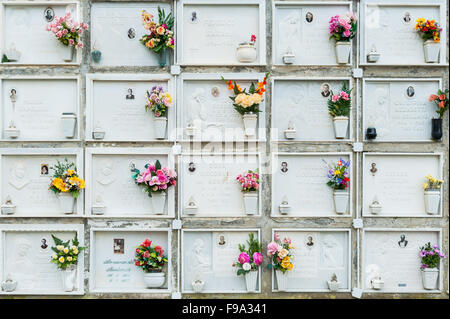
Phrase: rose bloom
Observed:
(433, 97)
(246, 266)
(160, 30)
(442, 97)
(256, 98)
(272, 248)
(257, 258)
(283, 253)
(285, 262)
(243, 258)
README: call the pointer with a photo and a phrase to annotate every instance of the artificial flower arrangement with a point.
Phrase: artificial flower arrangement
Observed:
(430, 32)
(342, 29)
(161, 34)
(65, 256)
(339, 106)
(158, 102)
(66, 184)
(246, 51)
(249, 260)
(249, 183)
(441, 100)
(339, 181)
(68, 33)
(155, 180)
(432, 194)
(151, 259)
(430, 260)
(280, 254)
(247, 103)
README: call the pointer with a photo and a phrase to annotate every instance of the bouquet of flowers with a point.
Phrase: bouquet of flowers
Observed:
(280, 254)
(441, 100)
(150, 257)
(249, 182)
(430, 256)
(161, 34)
(429, 29)
(158, 101)
(343, 28)
(67, 31)
(65, 254)
(252, 40)
(251, 258)
(339, 104)
(247, 102)
(65, 179)
(432, 183)
(155, 178)
(338, 174)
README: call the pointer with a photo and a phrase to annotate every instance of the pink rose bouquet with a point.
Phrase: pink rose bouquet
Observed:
(280, 253)
(343, 28)
(251, 258)
(67, 31)
(155, 178)
(339, 104)
(249, 182)
(158, 101)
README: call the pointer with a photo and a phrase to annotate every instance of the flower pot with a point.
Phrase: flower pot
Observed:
(98, 209)
(68, 277)
(290, 133)
(68, 122)
(282, 280)
(373, 57)
(9, 285)
(289, 58)
(431, 51)
(11, 132)
(8, 209)
(430, 278)
(371, 133)
(66, 202)
(159, 126)
(98, 135)
(250, 280)
(340, 124)
(162, 57)
(191, 209)
(96, 56)
(432, 200)
(343, 51)
(251, 203)
(375, 208)
(377, 284)
(154, 279)
(198, 285)
(284, 208)
(159, 202)
(66, 53)
(341, 197)
(246, 53)
(333, 285)
(250, 121)
(436, 129)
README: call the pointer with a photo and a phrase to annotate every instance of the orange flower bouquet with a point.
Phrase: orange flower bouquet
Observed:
(430, 32)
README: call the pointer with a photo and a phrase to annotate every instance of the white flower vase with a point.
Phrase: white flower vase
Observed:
(197, 286)
(68, 276)
(341, 197)
(66, 202)
(12, 132)
(431, 51)
(377, 284)
(66, 52)
(430, 278)
(246, 53)
(68, 123)
(250, 121)
(250, 280)
(160, 125)
(154, 279)
(343, 51)
(251, 203)
(282, 280)
(340, 124)
(333, 286)
(159, 202)
(432, 201)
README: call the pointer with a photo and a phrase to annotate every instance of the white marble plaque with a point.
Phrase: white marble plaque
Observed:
(316, 257)
(25, 180)
(404, 45)
(112, 260)
(112, 187)
(210, 31)
(394, 256)
(399, 109)
(207, 108)
(116, 29)
(26, 256)
(24, 28)
(395, 181)
(216, 192)
(302, 30)
(305, 101)
(116, 106)
(209, 256)
(301, 180)
(35, 107)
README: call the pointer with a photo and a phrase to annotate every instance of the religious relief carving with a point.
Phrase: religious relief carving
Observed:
(289, 31)
(105, 175)
(18, 176)
(197, 109)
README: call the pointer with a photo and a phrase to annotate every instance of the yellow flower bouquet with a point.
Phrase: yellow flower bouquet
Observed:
(65, 179)
(65, 254)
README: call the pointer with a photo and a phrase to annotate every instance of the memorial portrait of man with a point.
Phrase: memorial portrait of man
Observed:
(284, 167)
(403, 242)
(410, 91)
(119, 246)
(191, 167)
(49, 14)
(131, 33)
(325, 90)
(309, 17)
(309, 241)
(407, 17)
